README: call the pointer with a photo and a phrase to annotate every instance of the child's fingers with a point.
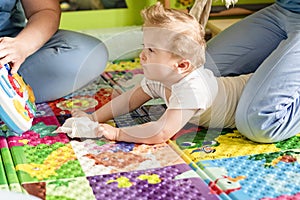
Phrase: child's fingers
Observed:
(102, 131)
(105, 132)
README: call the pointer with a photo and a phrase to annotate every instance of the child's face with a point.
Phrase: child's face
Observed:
(157, 60)
(158, 64)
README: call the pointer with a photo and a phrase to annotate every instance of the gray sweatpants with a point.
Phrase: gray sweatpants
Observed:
(67, 62)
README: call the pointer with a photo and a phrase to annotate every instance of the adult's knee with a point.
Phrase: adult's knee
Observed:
(265, 127)
(93, 60)
(257, 127)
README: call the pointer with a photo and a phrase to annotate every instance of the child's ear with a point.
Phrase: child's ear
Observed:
(184, 66)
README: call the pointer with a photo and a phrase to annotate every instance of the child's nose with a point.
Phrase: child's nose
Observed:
(142, 57)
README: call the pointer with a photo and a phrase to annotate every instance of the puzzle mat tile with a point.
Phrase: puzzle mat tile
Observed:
(265, 176)
(3, 180)
(99, 157)
(124, 80)
(123, 75)
(41, 132)
(46, 162)
(4, 185)
(71, 188)
(89, 98)
(202, 144)
(9, 180)
(121, 65)
(141, 115)
(39, 154)
(170, 182)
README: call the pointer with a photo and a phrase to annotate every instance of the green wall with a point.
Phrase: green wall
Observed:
(109, 18)
(106, 18)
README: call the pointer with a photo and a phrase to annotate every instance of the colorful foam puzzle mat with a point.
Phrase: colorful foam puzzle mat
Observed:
(195, 164)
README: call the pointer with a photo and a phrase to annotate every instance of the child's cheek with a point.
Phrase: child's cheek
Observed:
(157, 72)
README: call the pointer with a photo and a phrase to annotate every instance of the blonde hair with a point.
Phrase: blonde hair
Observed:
(189, 41)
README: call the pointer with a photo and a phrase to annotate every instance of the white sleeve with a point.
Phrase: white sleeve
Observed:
(197, 92)
(152, 88)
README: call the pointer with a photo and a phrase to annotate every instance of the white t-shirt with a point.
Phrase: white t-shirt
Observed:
(215, 99)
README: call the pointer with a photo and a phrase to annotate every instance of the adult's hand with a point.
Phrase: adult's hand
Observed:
(12, 51)
(42, 22)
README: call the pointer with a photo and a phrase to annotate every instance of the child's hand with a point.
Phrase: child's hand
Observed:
(80, 113)
(108, 131)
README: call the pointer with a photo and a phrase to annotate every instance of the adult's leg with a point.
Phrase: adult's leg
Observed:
(67, 62)
(242, 47)
(269, 109)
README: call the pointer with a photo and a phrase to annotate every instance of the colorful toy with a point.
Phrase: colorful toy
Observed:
(17, 101)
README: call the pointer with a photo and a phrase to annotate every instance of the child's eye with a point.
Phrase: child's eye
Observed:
(147, 48)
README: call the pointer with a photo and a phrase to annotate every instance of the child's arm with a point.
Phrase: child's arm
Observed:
(153, 132)
(119, 105)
